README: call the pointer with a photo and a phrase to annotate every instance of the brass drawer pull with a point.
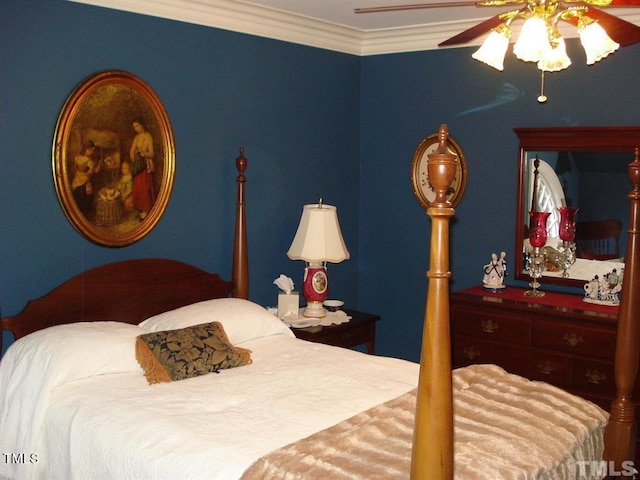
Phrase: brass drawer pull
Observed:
(572, 339)
(547, 367)
(489, 325)
(595, 377)
(471, 353)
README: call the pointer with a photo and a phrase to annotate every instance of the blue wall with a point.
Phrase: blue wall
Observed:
(406, 97)
(294, 109)
(313, 124)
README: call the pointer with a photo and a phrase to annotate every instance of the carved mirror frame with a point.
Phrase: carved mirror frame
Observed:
(558, 139)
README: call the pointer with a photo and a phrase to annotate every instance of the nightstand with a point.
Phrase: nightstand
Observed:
(361, 329)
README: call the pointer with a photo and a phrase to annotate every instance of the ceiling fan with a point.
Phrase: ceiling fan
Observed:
(540, 41)
(623, 32)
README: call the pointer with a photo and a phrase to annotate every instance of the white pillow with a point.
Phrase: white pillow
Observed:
(242, 320)
(36, 364)
(79, 350)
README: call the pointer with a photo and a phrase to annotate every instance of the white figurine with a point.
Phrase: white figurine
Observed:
(494, 272)
(605, 290)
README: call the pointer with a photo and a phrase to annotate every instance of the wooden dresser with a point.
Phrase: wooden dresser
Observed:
(558, 338)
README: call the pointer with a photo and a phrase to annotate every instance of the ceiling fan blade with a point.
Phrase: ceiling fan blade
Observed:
(473, 32)
(458, 3)
(414, 6)
(623, 32)
(624, 3)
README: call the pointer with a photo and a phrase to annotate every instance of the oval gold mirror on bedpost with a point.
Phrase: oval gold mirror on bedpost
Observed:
(620, 434)
(432, 453)
(240, 273)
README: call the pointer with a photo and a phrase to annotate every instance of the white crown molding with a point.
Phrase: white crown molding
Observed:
(414, 38)
(246, 18)
(253, 19)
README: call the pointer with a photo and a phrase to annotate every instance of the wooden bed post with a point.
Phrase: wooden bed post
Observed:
(432, 454)
(240, 270)
(620, 433)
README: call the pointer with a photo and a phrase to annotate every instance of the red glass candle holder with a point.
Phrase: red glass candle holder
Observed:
(567, 227)
(538, 228)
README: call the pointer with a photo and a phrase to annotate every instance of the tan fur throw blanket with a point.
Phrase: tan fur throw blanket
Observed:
(370, 445)
(506, 427)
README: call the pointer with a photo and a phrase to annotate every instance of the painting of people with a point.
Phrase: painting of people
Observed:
(114, 158)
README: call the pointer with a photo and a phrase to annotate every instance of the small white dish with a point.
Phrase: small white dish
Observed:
(333, 305)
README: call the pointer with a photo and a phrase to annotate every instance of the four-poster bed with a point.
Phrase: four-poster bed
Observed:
(434, 405)
(91, 413)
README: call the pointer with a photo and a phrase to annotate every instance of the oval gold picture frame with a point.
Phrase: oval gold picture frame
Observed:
(422, 188)
(113, 158)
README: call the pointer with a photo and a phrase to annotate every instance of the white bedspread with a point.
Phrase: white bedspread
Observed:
(117, 426)
(99, 419)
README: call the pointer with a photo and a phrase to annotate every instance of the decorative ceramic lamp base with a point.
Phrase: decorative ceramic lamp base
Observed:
(314, 310)
(315, 289)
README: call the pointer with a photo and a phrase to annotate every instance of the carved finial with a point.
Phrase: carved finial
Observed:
(534, 195)
(443, 136)
(634, 172)
(241, 162)
(441, 166)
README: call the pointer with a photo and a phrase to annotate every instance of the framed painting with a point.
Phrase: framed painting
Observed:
(113, 158)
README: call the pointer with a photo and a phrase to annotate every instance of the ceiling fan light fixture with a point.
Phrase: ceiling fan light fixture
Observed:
(533, 43)
(596, 42)
(555, 59)
(494, 48)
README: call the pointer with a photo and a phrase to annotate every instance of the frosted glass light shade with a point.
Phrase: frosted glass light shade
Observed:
(318, 238)
(494, 48)
(555, 59)
(533, 43)
(595, 41)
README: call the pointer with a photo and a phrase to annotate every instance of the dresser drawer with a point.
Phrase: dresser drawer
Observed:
(591, 376)
(468, 351)
(550, 367)
(574, 339)
(491, 325)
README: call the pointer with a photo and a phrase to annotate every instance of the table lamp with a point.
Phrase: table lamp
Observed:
(318, 240)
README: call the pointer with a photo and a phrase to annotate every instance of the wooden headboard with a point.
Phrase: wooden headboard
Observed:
(133, 290)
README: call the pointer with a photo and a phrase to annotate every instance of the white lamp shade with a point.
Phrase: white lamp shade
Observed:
(555, 59)
(318, 238)
(533, 42)
(493, 49)
(596, 43)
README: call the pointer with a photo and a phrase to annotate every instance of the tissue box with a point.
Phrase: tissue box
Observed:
(288, 304)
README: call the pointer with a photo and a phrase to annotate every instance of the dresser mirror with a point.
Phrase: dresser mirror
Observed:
(580, 167)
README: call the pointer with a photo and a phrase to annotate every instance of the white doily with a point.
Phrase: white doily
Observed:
(332, 318)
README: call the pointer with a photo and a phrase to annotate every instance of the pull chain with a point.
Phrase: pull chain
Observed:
(542, 98)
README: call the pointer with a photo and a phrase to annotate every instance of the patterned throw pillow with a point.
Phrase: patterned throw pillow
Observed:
(187, 352)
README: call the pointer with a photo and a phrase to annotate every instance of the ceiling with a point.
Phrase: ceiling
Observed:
(331, 24)
(341, 12)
